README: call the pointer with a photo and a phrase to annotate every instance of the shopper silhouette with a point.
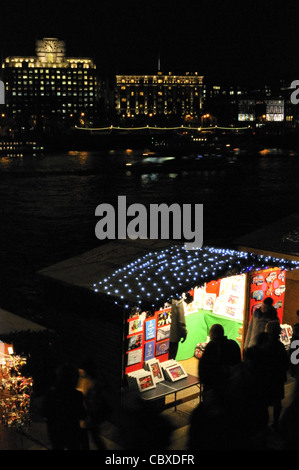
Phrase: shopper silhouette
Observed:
(63, 410)
(219, 356)
(258, 321)
(289, 423)
(96, 403)
(271, 364)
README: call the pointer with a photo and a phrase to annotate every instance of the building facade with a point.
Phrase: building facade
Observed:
(158, 95)
(51, 85)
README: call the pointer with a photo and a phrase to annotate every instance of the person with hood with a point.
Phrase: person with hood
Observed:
(259, 320)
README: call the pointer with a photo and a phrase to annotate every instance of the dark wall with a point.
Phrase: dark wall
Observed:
(88, 327)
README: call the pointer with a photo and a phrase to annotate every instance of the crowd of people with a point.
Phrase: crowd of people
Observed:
(75, 408)
(234, 413)
(241, 394)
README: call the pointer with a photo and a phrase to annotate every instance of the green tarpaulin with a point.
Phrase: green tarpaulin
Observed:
(198, 325)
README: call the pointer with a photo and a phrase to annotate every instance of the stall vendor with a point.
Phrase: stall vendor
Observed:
(178, 330)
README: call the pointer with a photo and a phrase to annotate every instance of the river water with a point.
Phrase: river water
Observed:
(47, 207)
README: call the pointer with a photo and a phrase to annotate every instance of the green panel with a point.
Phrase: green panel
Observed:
(198, 325)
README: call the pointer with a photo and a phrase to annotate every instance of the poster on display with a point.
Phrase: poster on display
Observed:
(162, 348)
(268, 283)
(134, 357)
(149, 350)
(230, 302)
(164, 317)
(150, 329)
(209, 301)
(199, 293)
(135, 342)
(163, 332)
(135, 326)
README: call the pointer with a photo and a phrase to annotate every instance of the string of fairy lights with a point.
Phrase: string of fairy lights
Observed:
(155, 128)
(159, 276)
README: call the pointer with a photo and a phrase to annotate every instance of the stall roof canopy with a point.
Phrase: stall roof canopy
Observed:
(11, 324)
(282, 236)
(149, 274)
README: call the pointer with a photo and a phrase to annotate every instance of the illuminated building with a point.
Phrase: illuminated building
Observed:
(50, 85)
(158, 95)
(247, 110)
(274, 110)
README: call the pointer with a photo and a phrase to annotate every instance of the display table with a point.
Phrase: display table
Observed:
(167, 388)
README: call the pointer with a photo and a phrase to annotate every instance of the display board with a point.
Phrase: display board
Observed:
(268, 283)
(147, 338)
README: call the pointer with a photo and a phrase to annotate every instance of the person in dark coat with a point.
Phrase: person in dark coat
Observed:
(178, 330)
(271, 363)
(217, 359)
(258, 321)
(64, 409)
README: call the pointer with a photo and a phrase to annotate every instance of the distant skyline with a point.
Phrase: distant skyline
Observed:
(230, 41)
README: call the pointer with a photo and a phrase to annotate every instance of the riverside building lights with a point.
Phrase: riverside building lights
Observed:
(51, 85)
(159, 94)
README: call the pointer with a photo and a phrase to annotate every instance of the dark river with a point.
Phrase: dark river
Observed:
(47, 207)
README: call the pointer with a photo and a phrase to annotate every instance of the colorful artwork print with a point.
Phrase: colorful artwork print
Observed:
(135, 342)
(258, 280)
(149, 350)
(135, 326)
(156, 370)
(163, 333)
(162, 348)
(164, 318)
(176, 372)
(209, 301)
(145, 382)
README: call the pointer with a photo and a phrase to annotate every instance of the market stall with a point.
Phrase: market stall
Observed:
(116, 299)
(226, 286)
(15, 386)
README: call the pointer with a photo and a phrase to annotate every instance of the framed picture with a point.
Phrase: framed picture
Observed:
(163, 333)
(176, 372)
(162, 348)
(154, 366)
(145, 381)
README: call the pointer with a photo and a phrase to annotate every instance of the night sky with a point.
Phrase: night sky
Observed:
(226, 41)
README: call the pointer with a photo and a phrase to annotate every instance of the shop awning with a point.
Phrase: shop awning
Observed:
(11, 324)
(159, 276)
(147, 273)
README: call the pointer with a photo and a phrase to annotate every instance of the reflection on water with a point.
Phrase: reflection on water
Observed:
(47, 205)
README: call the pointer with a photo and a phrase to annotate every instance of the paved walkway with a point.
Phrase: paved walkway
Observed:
(37, 439)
